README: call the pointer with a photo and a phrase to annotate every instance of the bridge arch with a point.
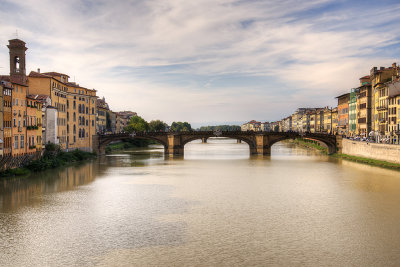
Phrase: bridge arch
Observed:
(329, 141)
(247, 140)
(104, 140)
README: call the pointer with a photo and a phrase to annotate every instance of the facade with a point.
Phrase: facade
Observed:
(101, 117)
(119, 123)
(343, 114)
(364, 107)
(352, 112)
(334, 121)
(19, 85)
(7, 117)
(379, 82)
(251, 126)
(33, 125)
(394, 113)
(75, 105)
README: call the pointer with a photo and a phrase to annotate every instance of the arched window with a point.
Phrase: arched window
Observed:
(74, 129)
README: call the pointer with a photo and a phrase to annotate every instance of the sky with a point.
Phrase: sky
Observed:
(206, 61)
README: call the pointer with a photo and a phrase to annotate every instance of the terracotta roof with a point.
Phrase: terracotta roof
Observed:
(346, 94)
(35, 74)
(365, 77)
(57, 74)
(7, 78)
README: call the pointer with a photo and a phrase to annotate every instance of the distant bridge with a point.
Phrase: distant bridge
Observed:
(259, 142)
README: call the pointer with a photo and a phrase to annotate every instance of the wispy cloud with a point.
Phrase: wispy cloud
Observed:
(207, 60)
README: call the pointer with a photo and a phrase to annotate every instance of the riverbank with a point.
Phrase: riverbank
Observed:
(51, 159)
(363, 160)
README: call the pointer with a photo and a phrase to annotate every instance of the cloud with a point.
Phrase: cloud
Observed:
(207, 60)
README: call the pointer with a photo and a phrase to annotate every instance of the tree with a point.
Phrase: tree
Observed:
(180, 126)
(157, 126)
(137, 124)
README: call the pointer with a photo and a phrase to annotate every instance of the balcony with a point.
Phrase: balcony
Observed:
(382, 107)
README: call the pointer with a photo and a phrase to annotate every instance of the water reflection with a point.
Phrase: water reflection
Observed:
(19, 192)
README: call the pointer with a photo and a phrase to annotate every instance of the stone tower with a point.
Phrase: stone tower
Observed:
(17, 61)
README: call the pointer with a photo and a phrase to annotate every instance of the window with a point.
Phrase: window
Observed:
(22, 141)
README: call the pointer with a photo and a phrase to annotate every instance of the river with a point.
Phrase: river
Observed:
(216, 207)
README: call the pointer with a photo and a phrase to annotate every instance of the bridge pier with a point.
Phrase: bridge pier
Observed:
(262, 146)
(204, 140)
(174, 148)
(238, 141)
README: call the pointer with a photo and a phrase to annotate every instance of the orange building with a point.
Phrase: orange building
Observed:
(18, 81)
(343, 114)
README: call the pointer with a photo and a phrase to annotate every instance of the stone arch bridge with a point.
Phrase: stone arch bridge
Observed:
(259, 142)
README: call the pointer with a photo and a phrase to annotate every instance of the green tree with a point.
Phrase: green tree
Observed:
(137, 124)
(157, 126)
(180, 126)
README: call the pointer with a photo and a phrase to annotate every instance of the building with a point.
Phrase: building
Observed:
(113, 117)
(101, 117)
(364, 107)
(343, 114)
(379, 82)
(352, 112)
(19, 85)
(394, 113)
(7, 117)
(119, 124)
(334, 121)
(33, 125)
(75, 105)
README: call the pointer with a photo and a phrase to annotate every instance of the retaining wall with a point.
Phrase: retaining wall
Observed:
(384, 152)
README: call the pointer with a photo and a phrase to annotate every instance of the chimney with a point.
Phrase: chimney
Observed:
(38, 70)
(382, 68)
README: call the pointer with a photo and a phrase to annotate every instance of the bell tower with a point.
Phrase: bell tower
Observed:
(17, 61)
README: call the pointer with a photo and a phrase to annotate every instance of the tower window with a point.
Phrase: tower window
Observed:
(16, 64)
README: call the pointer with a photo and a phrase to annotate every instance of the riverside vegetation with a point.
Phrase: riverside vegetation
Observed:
(369, 161)
(52, 157)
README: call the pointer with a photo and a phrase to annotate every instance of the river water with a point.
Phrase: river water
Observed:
(217, 207)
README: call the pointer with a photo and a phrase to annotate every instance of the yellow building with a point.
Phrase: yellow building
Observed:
(379, 82)
(33, 125)
(313, 115)
(76, 108)
(394, 113)
(81, 116)
(334, 121)
(18, 82)
(364, 107)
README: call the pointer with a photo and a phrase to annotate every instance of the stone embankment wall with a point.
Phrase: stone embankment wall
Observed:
(390, 153)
